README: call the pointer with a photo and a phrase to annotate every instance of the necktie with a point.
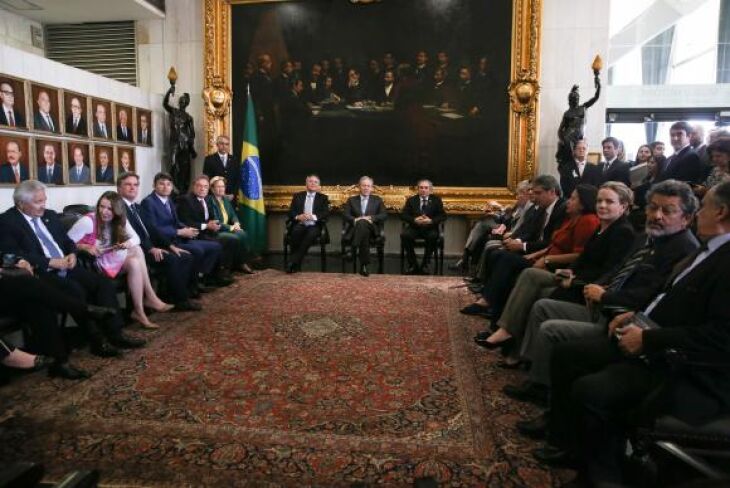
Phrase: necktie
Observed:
(606, 167)
(205, 207)
(628, 268)
(424, 202)
(50, 173)
(363, 206)
(144, 136)
(76, 123)
(135, 214)
(50, 123)
(103, 130)
(167, 207)
(16, 170)
(48, 244)
(124, 132)
(11, 119)
(309, 208)
(78, 174)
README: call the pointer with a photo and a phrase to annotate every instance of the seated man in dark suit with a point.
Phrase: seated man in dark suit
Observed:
(177, 263)
(598, 384)
(684, 164)
(76, 122)
(225, 164)
(50, 171)
(423, 213)
(613, 169)
(13, 171)
(162, 213)
(308, 212)
(366, 214)
(195, 212)
(31, 231)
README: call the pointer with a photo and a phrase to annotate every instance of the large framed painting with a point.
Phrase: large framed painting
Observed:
(397, 90)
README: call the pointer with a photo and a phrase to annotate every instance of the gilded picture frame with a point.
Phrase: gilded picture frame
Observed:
(523, 93)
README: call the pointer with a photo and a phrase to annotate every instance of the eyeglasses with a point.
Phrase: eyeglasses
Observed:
(7, 92)
(666, 210)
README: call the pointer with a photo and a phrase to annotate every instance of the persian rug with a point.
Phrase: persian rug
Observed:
(288, 380)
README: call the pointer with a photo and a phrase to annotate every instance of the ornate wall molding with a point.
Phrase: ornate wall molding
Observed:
(523, 91)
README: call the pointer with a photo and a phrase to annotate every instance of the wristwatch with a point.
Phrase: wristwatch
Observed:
(547, 262)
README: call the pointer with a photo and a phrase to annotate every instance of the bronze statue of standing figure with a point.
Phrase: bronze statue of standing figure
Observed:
(574, 120)
(182, 137)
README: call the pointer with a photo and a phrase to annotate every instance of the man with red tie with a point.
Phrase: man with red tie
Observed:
(13, 171)
(9, 115)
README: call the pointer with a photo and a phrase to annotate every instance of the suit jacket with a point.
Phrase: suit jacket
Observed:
(149, 236)
(647, 279)
(604, 251)
(39, 123)
(434, 210)
(375, 209)
(541, 237)
(683, 166)
(107, 176)
(619, 171)
(85, 177)
(120, 135)
(7, 175)
(694, 317)
(19, 119)
(320, 207)
(144, 140)
(97, 130)
(166, 222)
(80, 129)
(214, 207)
(192, 214)
(213, 166)
(57, 174)
(570, 177)
(18, 237)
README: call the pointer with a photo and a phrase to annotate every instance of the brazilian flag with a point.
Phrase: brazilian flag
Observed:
(251, 209)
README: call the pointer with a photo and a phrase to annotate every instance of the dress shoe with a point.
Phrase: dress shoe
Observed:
(457, 266)
(217, 281)
(471, 279)
(476, 309)
(194, 294)
(364, 270)
(41, 362)
(554, 456)
(105, 350)
(99, 313)
(483, 335)
(66, 371)
(292, 268)
(187, 306)
(535, 428)
(505, 345)
(476, 288)
(528, 391)
(127, 342)
(425, 270)
(411, 270)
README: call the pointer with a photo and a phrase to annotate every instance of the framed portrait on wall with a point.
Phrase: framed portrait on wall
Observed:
(45, 106)
(124, 123)
(126, 159)
(104, 164)
(12, 103)
(79, 167)
(76, 114)
(144, 127)
(49, 161)
(102, 121)
(15, 159)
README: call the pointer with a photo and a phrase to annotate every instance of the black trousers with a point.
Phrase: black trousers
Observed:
(179, 272)
(595, 389)
(37, 303)
(504, 269)
(361, 235)
(408, 237)
(302, 237)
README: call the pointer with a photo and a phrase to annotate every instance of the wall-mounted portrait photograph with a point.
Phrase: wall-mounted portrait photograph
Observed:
(75, 110)
(46, 110)
(49, 161)
(12, 96)
(396, 89)
(14, 159)
(144, 127)
(126, 159)
(79, 169)
(125, 118)
(104, 164)
(102, 122)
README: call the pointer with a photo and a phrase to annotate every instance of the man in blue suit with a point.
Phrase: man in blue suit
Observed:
(104, 171)
(13, 171)
(161, 212)
(79, 173)
(50, 171)
(43, 119)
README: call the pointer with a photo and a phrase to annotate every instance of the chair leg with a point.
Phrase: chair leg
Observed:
(286, 255)
(323, 257)
(355, 255)
(381, 259)
(402, 258)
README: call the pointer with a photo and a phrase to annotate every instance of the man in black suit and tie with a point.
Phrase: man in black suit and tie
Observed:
(366, 214)
(76, 122)
(422, 71)
(225, 164)
(13, 171)
(124, 132)
(50, 171)
(308, 212)
(423, 213)
(614, 169)
(581, 171)
(177, 264)
(101, 128)
(684, 164)
(104, 170)
(143, 132)
(8, 114)
(597, 382)
(43, 120)
(31, 231)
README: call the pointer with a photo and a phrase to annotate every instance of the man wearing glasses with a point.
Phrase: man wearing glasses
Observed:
(76, 122)
(9, 115)
(223, 163)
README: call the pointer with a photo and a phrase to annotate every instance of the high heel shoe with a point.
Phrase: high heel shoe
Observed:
(144, 324)
(505, 344)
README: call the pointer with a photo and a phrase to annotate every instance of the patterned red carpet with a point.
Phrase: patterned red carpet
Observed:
(311, 379)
